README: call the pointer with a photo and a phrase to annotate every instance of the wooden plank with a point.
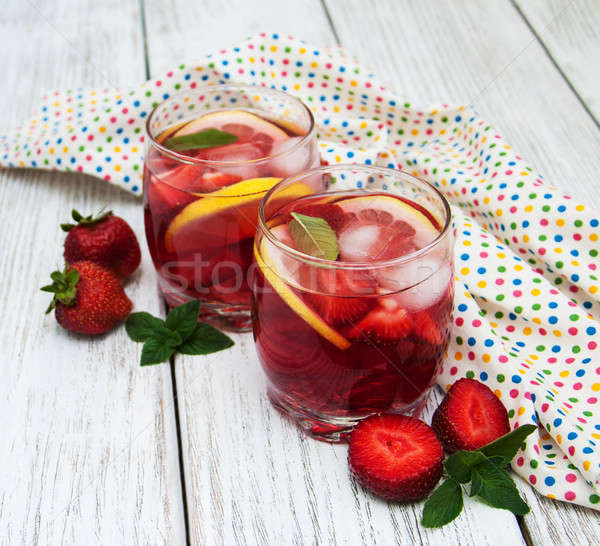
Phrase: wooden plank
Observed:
(88, 447)
(251, 476)
(569, 31)
(483, 53)
(465, 52)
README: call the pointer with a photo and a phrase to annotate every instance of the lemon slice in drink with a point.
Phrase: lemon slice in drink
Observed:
(267, 262)
(236, 205)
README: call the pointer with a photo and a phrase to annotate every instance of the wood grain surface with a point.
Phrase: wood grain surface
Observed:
(88, 443)
(88, 447)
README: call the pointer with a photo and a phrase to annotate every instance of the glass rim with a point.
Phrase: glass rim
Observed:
(185, 159)
(321, 262)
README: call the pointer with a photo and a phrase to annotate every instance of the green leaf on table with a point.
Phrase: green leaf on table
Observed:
(183, 319)
(497, 488)
(140, 326)
(180, 332)
(459, 464)
(208, 138)
(444, 504)
(507, 446)
(314, 236)
(205, 340)
(159, 346)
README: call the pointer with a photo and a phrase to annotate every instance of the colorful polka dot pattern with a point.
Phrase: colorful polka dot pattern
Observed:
(527, 314)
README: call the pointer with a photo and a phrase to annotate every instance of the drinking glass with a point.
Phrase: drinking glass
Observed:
(201, 204)
(363, 331)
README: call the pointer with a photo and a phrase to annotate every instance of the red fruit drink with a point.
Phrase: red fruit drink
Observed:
(203, 181)
(365, 332)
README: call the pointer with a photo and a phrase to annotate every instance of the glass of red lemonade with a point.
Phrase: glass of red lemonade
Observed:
(352, 294)
(211, 154)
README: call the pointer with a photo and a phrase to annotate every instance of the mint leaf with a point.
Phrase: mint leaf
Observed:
(497, 488)
(314, 236)
(183, 319)
(204, 340)
(459, 464)
(444, 504)
(208, 138)
(159, 346)
(140, 326)
(507, 446)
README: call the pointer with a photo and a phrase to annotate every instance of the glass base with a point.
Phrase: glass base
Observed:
(332, 429)
(227, 317)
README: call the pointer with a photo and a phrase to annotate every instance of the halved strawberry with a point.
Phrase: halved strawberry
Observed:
(426, 328)
(469, 417)
(332, 214)
(214, 180)
(388, 322)
(337, 302)
(396, 457)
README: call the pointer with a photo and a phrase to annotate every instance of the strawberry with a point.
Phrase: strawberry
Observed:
(88, 298)
(426, 328)
(388, 322)
(469, 417)
(106, 240)
(335, 303)
(215, 180)
(396, 457)
(332, 214)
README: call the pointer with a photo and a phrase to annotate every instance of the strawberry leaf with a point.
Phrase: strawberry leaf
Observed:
(204, 340)
(314, 236)
(141, 326)
(459, 464)
(444, 504)
(183, 319)
(495, 486)
(507, 446)
(208, 138)
(64, 287)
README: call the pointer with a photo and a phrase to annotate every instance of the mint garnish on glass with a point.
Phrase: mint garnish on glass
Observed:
(208, 138)
(485, 470)
(314, 236)
(180, 332)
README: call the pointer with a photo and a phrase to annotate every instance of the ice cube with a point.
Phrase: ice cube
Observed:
(358, 242)
(294, 162)
(368, 242)
(242, 153)
(420, 283)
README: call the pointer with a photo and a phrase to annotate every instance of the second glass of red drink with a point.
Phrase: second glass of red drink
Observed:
(211, 155)
(352, 294)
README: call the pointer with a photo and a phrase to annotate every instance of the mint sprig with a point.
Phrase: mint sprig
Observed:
(180, 332)
(208, 138)
(485, 470)
(314, 236)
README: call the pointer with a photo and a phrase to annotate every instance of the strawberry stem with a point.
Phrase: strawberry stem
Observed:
(85, 220)
(64, 287)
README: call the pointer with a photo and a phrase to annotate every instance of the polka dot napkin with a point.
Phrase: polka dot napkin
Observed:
(526, 317)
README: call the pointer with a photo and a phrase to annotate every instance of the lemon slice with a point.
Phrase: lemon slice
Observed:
(240, 200)
(395, 206)
(235, 121)
(266, 263)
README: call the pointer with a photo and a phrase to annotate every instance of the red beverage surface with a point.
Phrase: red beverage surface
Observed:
(390, 326)
(200, 218)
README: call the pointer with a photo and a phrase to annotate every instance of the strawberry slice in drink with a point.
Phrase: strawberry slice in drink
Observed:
(387, 323)
(343, 295)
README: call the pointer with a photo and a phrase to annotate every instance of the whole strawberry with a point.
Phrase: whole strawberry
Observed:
(88, 298)
(104, 239)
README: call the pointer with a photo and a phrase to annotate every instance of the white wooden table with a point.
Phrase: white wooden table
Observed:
(95, 449)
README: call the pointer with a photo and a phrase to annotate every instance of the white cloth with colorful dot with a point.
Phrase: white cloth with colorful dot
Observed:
(526, 316)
